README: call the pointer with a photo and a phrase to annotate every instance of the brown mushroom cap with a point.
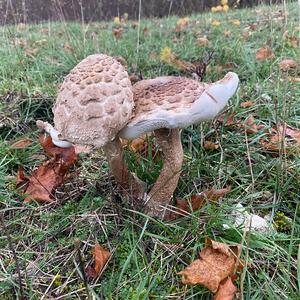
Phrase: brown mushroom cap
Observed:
(95, 101)
(176, 102)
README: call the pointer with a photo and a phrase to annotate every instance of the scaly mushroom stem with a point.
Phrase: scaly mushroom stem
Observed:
(162, 191)
(129, 182)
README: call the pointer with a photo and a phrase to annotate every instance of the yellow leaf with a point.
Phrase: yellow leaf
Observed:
(215, 23)
(117, 20)
(224, 2)
(225, 8)
(166, 55)
(235, 22)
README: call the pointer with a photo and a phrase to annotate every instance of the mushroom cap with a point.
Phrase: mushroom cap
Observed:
(176, 102)
(95, 101)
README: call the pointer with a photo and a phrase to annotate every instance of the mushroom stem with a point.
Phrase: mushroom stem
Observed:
(129, 182)
(162, 191)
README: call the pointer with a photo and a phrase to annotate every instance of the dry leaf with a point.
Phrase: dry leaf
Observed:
(209, 145)
(100, 256)
(184, 207)
(40, 185)
(31, 52)
(264, 53)
(247, 104)
(227, 120)
(287, 64)
(235, 22)
(68, 48)
(203, 41)
(226, 290)
(282, 137)
(21, 144)
(290, 40)
(118, 32)
(294, 79)
(251, 126)
(181, 24)
(217, 262)
(215, 23)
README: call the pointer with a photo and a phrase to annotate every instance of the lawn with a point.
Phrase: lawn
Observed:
(39, 242)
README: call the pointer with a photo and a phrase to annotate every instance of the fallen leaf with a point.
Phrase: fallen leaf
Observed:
(226, 290)
(292, 41)
(21, 144)
(246, 104)
(68, 48)
(118, 32)
(209, 145)
(100, 256)
(251, 126)
(181, 24)
(215, 23)
(40, 185)
(203, 41)
(217, 262)
(135, 145)
(264, 53)
(287, 64)
(31, 52)
(294, 79)
(227, 120)
(282, 137)
(184, 207)
(235, 22)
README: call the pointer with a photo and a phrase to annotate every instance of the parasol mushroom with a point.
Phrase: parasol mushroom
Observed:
(94, 103)
(97, 105)
(165, 105)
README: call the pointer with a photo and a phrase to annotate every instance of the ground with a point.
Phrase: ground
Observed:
(147, 253)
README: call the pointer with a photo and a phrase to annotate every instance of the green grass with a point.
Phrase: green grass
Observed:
(148, 253)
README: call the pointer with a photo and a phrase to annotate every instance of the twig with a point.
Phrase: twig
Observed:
(81, 267)
(10, 244)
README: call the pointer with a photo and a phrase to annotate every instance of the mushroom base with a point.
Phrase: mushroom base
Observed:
(162, 191)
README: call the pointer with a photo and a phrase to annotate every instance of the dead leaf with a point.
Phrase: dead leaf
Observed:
(290, 40)
(226, 290)
(209, 145)
(21, 144)
(247, 104)
(40, 185)
(294, 79)
(287, 64)
(251, 126)
(217, 262)
(235, 22)
(68, 48)
(100, 256)
(118, 32)
(181, 24)
(203, 41)
(264, 53)
(184, 207)
(31, 52)
(282, 137)
(227, 120)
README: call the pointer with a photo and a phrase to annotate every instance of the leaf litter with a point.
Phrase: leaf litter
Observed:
(48, 176)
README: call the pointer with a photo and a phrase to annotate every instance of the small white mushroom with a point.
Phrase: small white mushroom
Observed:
(165, 105)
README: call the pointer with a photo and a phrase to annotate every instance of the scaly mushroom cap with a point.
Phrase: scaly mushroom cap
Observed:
(176, 102)
(95, 101)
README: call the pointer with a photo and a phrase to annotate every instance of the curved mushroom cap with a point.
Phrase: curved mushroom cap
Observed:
(176, 102)
(95, 101)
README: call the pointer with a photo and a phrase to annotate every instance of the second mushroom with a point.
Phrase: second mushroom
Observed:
(97, 105)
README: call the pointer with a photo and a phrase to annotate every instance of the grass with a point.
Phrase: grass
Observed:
(148, 253)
